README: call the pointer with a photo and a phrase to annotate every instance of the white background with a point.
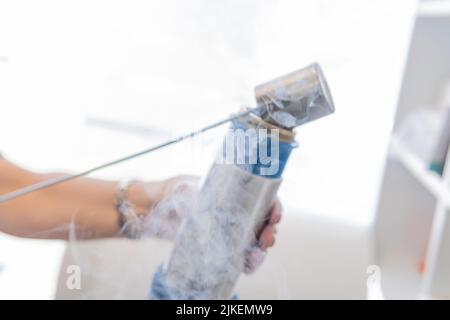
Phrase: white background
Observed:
(172, 66)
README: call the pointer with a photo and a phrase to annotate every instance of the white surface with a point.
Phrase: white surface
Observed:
(315, 258)
(404, 220)
(430, 180)
(437, 276)
(412, 221)
(30, 268)
(427, 69)
(175, 65)
(433, 8)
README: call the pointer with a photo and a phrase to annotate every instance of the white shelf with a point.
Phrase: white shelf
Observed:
(412, 225)
(429, 179)
(435, 282)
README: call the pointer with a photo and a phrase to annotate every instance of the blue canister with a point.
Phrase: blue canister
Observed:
(264, 150)
(254, 146)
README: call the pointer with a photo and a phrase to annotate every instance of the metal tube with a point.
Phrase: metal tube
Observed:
(58, 180)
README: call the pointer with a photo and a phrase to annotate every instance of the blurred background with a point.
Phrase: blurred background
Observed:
(85, 82)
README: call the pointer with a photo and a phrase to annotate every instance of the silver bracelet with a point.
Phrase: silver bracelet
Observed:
(130, 224)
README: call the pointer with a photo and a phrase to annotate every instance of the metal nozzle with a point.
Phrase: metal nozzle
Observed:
(296, 98)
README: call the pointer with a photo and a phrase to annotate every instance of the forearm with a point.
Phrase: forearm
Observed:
(85, 207)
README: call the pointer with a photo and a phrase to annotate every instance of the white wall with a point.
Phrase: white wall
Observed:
(175, 65)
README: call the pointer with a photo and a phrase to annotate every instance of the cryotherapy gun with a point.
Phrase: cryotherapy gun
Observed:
(236, 196)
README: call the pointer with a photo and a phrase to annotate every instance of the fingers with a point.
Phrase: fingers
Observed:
(162, 190)
(267, 238)
(275, 216)
(255, 257)
(175, 203)
(180, 184)
(267, 235)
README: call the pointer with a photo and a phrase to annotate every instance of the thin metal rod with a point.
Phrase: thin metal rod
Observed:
(55, 181)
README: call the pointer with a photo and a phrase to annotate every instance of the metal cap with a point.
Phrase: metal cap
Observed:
(296, 98)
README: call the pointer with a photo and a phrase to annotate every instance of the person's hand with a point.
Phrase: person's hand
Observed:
(174, 201)
(266, 239)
